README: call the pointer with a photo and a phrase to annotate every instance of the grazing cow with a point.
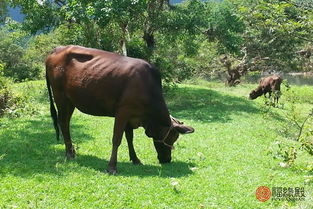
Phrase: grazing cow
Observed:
(102, 83)
(270, 84)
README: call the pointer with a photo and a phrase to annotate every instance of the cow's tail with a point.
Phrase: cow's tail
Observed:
(53, 111)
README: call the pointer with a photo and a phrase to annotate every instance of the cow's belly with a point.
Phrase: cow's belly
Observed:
(95, 110)
(92, 105)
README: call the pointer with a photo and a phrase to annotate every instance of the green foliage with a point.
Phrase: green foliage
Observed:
(226, 26)
(22, 99)
(172, 36)
(185, 19)
(4, 92)
(137, 48)
(296, 131)
(14, 55)
(9, 102)
(165, 66)
(278, 25)
(5, 96)
(109, 24)
(3, 11)
(202, 65)
(39, 15)
(301, 95)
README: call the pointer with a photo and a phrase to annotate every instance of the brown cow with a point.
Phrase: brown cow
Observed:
(102, 83)
(270, 84)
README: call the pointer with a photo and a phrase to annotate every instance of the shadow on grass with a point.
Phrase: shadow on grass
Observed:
(28, 147)
(206, 105)
(174, 169)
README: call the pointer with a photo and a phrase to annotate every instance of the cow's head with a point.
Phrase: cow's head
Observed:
(167, 137)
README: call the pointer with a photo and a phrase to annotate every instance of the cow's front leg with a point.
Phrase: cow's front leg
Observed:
(129, 132)
(119, 127)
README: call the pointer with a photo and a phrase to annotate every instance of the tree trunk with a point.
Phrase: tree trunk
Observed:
(154, 9)
(149, 39)
(233, 77)
(124, 37)
(123, 46)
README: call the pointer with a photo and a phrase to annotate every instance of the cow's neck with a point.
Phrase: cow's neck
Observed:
(157, 121)
(162, 115)
(259, 91)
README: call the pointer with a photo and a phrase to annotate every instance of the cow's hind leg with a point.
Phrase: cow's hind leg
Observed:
(129, 132)
(277, 96)
(65, 111)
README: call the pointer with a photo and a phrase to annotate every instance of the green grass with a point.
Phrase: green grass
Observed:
(219, 166)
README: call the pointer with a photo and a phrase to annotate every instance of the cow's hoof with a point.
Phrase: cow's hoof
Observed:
(137, 162)
(111, 171)
(165, 160)
(70, 155)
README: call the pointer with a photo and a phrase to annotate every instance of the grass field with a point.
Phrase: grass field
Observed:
(219, 166)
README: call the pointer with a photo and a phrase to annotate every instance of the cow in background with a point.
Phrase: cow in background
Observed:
(270, 84)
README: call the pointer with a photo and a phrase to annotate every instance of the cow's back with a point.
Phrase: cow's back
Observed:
(271, 83)
(99, 82)
(277, 80)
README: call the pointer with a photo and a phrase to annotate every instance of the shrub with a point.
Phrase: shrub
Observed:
(11, 104)
(24, 55)
(296, 129)
(5, 95)
(6, 98)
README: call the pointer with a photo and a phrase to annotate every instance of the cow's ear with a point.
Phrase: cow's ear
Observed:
(175, 121)
(184, 129)
(178, 125)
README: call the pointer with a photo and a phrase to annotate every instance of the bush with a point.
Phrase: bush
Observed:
(24, 55)
(303, 94)
(187, 59)
(12, 104)
(6, 97)
(295, 131)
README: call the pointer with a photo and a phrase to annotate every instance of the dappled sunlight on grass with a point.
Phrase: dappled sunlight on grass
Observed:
(206, 105)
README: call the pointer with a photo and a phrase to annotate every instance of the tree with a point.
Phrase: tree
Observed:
(152, 20)
(41, 15)
(3, 11)
(276, 29)
(225, 26)
(13, 53)
(90, 15)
